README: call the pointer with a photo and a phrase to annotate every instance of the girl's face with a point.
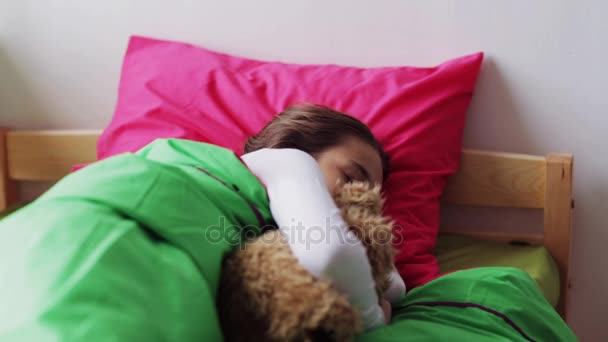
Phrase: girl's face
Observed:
(352, 160)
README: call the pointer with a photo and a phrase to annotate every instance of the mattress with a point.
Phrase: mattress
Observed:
(459, 252)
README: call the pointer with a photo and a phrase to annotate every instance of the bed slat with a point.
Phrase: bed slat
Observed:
(8, 188)
(48, 155)
(558, 216)
(494, 179)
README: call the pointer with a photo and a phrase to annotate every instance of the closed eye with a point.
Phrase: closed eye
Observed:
(361, 173)
(347, 178)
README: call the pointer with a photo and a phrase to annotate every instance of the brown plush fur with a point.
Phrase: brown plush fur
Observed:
(266, 295)
(361, 208)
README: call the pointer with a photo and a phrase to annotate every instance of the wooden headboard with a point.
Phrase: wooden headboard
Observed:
(485, 179)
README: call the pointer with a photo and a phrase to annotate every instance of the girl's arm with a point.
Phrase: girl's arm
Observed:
(308, 217)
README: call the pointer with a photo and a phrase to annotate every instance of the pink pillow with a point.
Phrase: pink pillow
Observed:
(171, 89)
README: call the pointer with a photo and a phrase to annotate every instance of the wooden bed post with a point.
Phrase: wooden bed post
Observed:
(557, 219)
(8, 187)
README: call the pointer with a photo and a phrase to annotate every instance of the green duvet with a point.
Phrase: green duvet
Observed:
(127, 249)
(483, 304)
(130, 249)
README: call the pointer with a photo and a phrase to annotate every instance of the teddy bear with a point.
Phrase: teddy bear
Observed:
(266, 295)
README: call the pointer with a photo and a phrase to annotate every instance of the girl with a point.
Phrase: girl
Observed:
(312, 150)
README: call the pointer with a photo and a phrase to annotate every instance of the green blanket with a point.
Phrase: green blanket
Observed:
(127, 249)
(483, 304)
(130, 249)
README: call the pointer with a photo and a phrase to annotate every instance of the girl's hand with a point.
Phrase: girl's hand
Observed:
(386, 307)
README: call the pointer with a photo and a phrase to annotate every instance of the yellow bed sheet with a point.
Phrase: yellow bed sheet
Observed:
(458, 252)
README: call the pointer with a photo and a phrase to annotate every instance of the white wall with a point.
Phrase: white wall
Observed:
(542, 88)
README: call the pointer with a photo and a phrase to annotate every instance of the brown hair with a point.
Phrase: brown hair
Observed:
(313, 129)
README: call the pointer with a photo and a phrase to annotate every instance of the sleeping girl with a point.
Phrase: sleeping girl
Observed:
(301, 156)
(130, 248)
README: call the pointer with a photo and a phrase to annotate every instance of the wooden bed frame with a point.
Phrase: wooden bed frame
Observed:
(485, 179)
